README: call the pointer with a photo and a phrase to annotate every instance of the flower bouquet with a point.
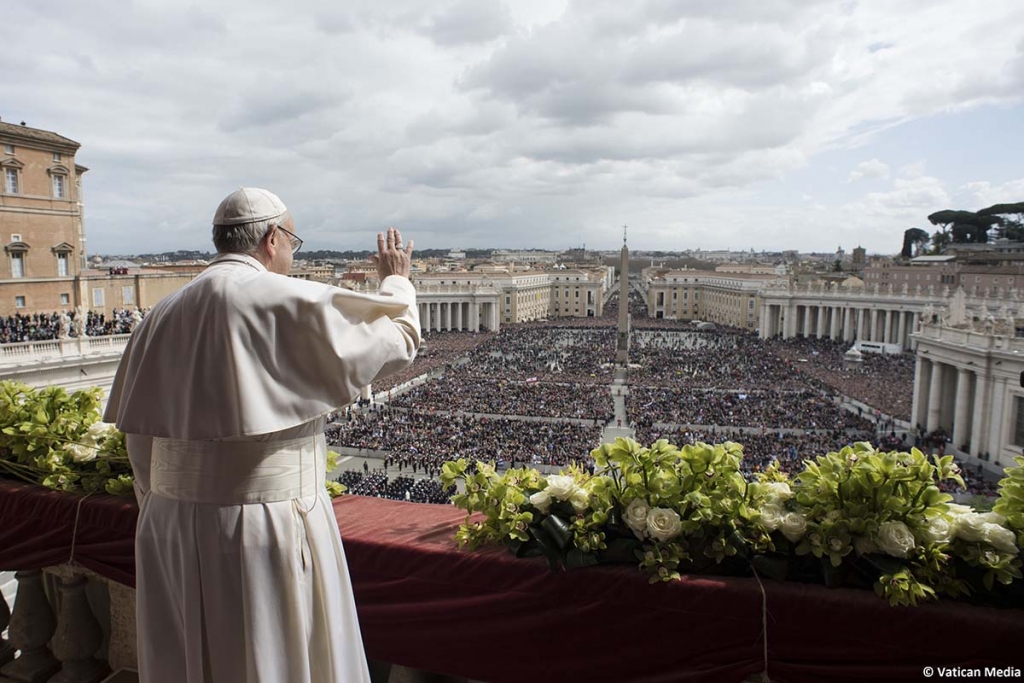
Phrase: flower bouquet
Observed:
(856, 517)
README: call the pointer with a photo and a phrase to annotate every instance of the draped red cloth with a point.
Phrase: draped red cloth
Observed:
(486, 615)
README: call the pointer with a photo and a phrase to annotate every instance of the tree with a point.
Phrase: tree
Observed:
(1011, 216)
(964, 227)
(914, 240)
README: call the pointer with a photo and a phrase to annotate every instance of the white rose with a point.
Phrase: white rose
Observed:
(777, 491)
(636, 516)
(794, 526)
(580, 499)
(771, 516)
(101, 430)
(541, 500)
(994, 518)
(560, 487)
(663, 524)
(894, 538)
(81, 453)
(956, 510)
(1000, 538)
(971, 527)
(938, 530)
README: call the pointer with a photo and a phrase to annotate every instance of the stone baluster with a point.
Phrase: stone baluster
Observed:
(32, 625)
(6, 651)
(78, 636)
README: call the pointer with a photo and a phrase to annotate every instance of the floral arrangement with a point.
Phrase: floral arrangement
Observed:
(56, 439)
(856, 517)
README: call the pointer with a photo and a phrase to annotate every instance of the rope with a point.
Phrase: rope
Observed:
(764, 626)
(74, 532)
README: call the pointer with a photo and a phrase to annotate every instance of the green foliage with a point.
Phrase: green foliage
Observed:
(689, 509)
(56, 439)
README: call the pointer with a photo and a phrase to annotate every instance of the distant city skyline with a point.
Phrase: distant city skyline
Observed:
(776, 126)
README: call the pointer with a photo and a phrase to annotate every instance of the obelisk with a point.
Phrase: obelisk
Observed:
(622, 345)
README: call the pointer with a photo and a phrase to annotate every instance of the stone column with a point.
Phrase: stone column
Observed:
(78, 636)
(885, 321)
(32, 626)
(426, 316)
(834, 331)
(848, 324)
(901, 336)
(458, 316)
(447, 318)
(961, 426)
(789, 330)
(807, 322)
(474, 316)
(995, 432)
(439, 310)
(822, 315)
(979, 435)
(860, 336)
(874, 326)
(935, 397)
(919, 409)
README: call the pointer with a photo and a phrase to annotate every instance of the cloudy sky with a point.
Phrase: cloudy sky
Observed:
(798, 124)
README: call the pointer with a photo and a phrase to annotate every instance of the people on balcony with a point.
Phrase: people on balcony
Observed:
(223, 391)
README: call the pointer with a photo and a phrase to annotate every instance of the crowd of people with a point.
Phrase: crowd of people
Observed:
(377, 483)
(460, 393)
(421, 442)
(48, 326)
(768, 408)
(439, 350)
(883, 381)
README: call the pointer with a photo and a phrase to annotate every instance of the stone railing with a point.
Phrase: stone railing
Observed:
(70, 626)
(971, 337)
(60, 349)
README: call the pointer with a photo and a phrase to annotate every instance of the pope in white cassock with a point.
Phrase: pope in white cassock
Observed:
(223, 393)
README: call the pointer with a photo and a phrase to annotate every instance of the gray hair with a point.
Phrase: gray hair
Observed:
(243, 238)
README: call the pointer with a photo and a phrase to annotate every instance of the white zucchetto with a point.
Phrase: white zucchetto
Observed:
(248, 205)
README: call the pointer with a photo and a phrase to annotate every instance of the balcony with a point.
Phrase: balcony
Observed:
(427, 606)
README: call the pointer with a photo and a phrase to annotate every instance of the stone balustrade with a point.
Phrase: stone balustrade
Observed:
(62, 349)
(69, 625)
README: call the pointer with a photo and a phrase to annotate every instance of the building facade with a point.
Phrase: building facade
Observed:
(722, 298)
(968, 382)
(41, 221)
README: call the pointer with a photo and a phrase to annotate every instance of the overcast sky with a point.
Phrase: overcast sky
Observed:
(796, 124)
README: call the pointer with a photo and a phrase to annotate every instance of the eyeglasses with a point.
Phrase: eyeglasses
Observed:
(295, 240)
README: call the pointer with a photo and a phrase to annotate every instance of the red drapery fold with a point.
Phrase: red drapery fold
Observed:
(486, 615)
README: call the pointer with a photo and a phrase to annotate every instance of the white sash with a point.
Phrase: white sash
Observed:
(238, 472)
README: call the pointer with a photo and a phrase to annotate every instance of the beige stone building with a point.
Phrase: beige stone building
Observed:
(722, 298)
(41, 226)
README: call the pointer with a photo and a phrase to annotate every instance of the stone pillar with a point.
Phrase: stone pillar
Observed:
(790, 323)
(885, 318)
(860, 326)
(78, 636)
(836, 315)
(496, 317)
(439, 311)
(6, 651)
(995, 432)
(426, 316)
(979, 434)
(474, 316)
(822, 320)
(458, 316)
(447, 316)
(961, 415)
(935, 397)
(32, 626)
(806, 327)
(848, 325)
(919, 409)
(874, 326)
(901, 336)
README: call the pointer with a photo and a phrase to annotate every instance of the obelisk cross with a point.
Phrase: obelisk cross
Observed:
(622, 344)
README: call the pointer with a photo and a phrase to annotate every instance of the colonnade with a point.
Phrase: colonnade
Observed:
(839, 322)
(449, 315)
(966, 402)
